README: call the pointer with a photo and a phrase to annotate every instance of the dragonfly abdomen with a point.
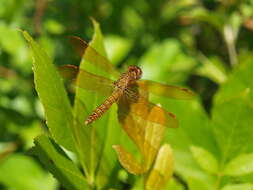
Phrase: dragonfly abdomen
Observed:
(100, 110)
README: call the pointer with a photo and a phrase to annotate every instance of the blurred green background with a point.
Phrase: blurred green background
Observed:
(199, 44)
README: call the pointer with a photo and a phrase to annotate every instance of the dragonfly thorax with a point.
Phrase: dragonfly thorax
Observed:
(132, 74)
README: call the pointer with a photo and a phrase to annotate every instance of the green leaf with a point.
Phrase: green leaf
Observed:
(95, 141)
(174, 185)
(213, 68)
(239, 80)
(90, 146)
(194, 129)
(205, 159)
(10, 40)
(204, 15)
(166, 62)
(193, 124)
(172, 10)
(52, 94)
(57, 162)
(54, 27)
(241, 165)
(232, 121)
(243, 186)
(23, 173)
(197, 184)
(117, 47)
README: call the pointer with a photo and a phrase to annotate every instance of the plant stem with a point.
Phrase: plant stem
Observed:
(90, 183)
(217, 184)
(230, 38)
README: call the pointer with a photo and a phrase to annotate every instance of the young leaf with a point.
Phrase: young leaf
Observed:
(57, 162)
(241, 165)
(127, 161)
(205, 159)
(163, 169)
(243, 186)
(52, 94)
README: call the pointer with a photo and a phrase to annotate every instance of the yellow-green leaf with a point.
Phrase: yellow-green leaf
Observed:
(240, 165)
(205, 159)
(128, 161)
(243, 186)
(163, 169)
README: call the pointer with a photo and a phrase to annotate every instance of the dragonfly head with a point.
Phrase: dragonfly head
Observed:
(135, 72)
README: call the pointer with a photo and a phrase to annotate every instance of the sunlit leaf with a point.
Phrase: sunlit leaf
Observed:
(10, 40)
(212, 68)
(23, 173)
(205, 159)
(58, 163)
(241, 165)
(243, 186)
(54, 27)
(96, 155)
(174, 185)
(166, 62)
(52, 94)
(198, 184)
(117, 48)
(162, 170)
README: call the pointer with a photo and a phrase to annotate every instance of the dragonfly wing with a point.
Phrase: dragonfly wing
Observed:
(136, 104)
(133, 128)
(86, 80)
(165, 90)
(91, 55)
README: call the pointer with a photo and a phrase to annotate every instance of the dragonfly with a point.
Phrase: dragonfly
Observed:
(128, 91)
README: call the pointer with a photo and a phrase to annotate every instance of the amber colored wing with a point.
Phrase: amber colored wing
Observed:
(87, 80)
(137, 105)
(165, 90)
(91, 55)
